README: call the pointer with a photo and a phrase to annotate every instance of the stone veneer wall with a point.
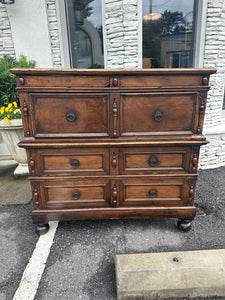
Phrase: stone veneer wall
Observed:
(121, 28)
(54, 33)
(6, 42)
(213, 154)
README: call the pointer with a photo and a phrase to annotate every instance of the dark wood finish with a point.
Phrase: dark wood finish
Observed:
(113, 143)
(41, 228)
(184, 224)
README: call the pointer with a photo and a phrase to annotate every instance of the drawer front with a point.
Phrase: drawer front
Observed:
(66, 162)
(150, 114)
(156, 192)
(74, 194)
(70, 115)
(154, 160)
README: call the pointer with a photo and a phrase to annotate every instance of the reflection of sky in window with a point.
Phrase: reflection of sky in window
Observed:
(159, 6)
(96, 16)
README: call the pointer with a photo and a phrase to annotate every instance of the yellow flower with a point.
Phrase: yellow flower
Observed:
(2, 108)
(10, 110)
(6, 119)
(1, 111)
(15, 104)
(7, 109)
(9, 105)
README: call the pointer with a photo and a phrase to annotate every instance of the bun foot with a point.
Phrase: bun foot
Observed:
(41, 228)
(184, 224)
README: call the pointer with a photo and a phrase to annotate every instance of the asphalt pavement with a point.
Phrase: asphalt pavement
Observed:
(81, 261)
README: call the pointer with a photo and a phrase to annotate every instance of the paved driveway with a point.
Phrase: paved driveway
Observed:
(80, 264)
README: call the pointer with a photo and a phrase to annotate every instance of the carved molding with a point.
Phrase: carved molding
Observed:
(114, 195)
(36, 194)
(32, 164)
(195, 159)
(26, 114)
(191, 190)
(115, 116)
(114, 160)
(202, 102)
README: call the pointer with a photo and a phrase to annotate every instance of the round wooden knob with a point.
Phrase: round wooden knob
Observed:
(115, 81)
(205, 80)
(21, 81)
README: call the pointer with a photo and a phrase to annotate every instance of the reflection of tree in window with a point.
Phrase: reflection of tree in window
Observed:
(167, 39)
(85, 33)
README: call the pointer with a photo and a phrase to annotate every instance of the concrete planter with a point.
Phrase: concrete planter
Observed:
(12, 134)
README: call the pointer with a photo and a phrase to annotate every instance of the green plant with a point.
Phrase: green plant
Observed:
(9, 112)
(8, 93)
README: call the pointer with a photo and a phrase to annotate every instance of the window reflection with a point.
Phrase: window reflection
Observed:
(84, 21)
(167, 33)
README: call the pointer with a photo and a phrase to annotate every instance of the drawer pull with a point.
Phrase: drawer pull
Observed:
(71, 116)
(75, 163)
(153, 193)
(76, 195)
(153, 160)
(157, 116)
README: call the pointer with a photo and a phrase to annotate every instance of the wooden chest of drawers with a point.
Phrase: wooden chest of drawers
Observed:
(112, 143)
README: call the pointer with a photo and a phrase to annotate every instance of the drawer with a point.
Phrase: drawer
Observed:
(70, 115)
(150, 114)
(67, 162)
(156, 192)
(74, 194)
(154, 160)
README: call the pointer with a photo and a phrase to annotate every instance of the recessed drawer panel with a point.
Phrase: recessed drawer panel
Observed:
(94, 161)
(73, 194)
(70, 115)
(154, 160)
(155, 192)
(158, 114)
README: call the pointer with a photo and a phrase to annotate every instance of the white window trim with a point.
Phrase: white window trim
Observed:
(199, 43)
(140, 50)
(63, 33)
(104, 35)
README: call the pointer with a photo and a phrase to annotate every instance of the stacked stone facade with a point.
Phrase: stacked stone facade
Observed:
(6, 41)
(121, 28)
(54, 34)
(213, 154)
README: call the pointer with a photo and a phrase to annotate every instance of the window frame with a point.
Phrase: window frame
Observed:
(200, 14)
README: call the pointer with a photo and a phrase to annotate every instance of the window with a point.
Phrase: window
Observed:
(168, 33)
(84, 22)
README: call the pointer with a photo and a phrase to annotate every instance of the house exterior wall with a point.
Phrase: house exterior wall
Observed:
(213, 154)
(121, 34)
(54, 34)
(6, 41)
(122, 49)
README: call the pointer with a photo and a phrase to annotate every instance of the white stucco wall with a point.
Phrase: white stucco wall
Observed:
(6, 41)
(213, 154)
(30, 33)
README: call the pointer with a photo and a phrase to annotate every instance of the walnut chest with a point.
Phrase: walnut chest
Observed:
(112, 143)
